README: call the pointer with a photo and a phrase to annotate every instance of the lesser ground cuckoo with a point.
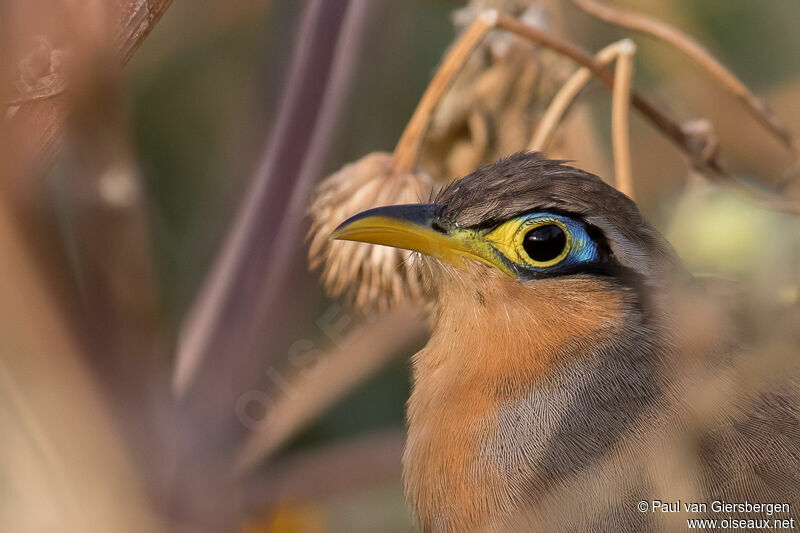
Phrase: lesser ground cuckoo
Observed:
(576, 369)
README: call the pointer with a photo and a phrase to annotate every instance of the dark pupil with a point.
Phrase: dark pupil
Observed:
(545, 243)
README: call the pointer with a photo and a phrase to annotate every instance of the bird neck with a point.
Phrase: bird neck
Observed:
(504, 363)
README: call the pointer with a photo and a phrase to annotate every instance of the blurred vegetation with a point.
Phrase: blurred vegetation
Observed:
(202, 105)
(201, 101)
(202, 95)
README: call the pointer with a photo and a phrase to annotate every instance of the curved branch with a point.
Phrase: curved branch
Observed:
(693, 146)
(620, 118)
(623, 52)
(663, 122)
(564, 98)
(361, 353)
(686, 44)
(407, 149)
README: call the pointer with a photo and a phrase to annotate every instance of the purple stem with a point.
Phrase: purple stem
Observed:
(226, 303)
(289, 238)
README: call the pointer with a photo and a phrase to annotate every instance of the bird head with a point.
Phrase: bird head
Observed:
(548, 335)
(525, 217)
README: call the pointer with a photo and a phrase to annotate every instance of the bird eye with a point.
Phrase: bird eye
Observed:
(541, 240)
(545, 243)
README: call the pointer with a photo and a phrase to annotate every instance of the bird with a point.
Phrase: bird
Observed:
(577, 377)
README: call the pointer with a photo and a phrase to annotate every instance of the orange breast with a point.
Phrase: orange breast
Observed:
(489, 348)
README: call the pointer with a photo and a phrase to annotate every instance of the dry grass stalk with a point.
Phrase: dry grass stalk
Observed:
(620, 109)
(357, 463)
(620, 118)
(668, 126)
(407, 150)
(492, 106)
(358, 356)
(640, 22)
(566, 96)
(703, 159)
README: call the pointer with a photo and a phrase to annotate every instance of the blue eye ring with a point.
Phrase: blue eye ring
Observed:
(507, 242)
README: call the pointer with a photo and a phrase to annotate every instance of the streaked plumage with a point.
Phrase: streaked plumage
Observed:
(557, 398)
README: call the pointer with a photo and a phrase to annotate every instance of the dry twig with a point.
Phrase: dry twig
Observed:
(564, 98)
(666, 124)
(640, 22)
(621, 93)
(407, 149)
(620, 117)
(408, 145)
(702, 159)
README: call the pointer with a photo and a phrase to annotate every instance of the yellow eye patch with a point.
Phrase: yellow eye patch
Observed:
(517, 241)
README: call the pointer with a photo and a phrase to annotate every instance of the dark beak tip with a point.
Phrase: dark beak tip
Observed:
(421, 214)
(334, 235)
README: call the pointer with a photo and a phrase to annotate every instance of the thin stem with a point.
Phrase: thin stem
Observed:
(640, 22)
(691, 145)
(666, 124)
(234, 285)
(407, 150)
(360, 354)
(326, 471)
(565, 97)
(620, 118)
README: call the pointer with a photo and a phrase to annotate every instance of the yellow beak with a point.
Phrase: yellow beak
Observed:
(417, 227)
